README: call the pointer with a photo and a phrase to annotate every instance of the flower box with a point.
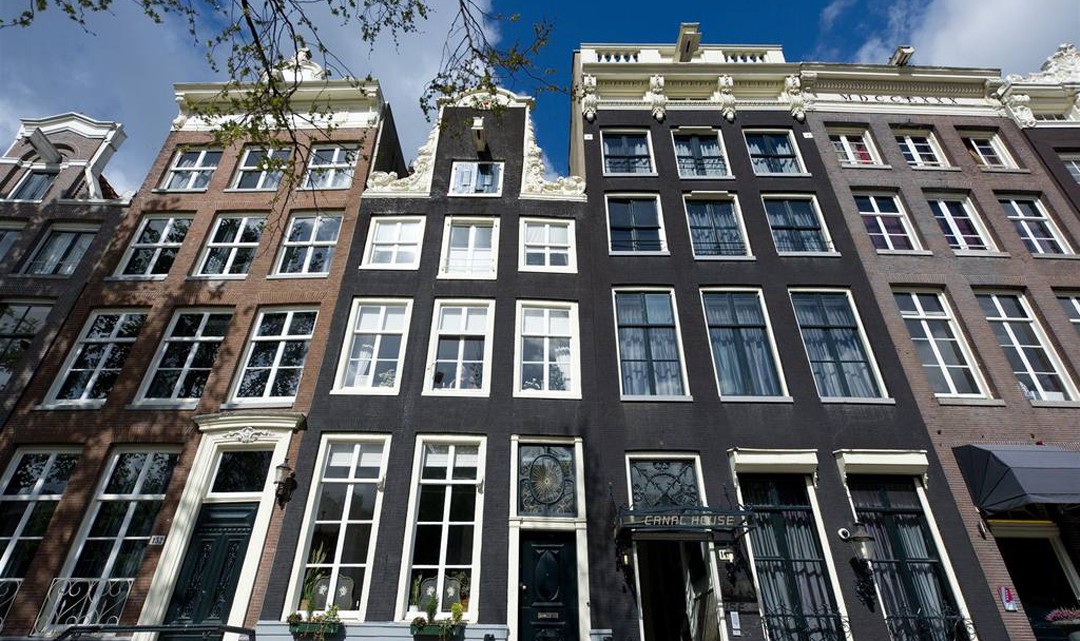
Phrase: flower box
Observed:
(436, 631)
(316, 629)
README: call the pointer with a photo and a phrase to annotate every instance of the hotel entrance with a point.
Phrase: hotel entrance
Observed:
(678, 595)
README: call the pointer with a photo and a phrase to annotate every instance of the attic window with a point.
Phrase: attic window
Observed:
(33, 185)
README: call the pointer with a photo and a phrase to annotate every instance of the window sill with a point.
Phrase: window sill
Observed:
(641, 253)
(477, 393)
(985, 402)
(45, 276)
(945, 168)
(307, 276)
(451, 276)
(162, 405)
(980, 253)
(639, 174)
(1052, 404)
(549, 396)
(904, 252)
(810, 254)
(852, 165)
(756, 399)
(364, 391)
(546, 270)
(20, 200)
(723, 258)
(243, 405)
(854, 400)
(120, 279)
(1004, 170)
(451, 194)
(1056, 256)
(656, 399)
(72, 405)
(717, 177)
(786, 174)
(237, 190)
(391, 268)
(178, 191)
(345, 188)
(217, 277)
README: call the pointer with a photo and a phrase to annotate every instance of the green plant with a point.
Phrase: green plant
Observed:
(432, 607)
(414, 599)
(307, 592)
(456, 613)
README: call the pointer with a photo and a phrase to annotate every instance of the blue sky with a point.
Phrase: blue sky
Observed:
(125, 70)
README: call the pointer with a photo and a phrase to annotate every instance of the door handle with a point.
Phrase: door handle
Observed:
(524, 588)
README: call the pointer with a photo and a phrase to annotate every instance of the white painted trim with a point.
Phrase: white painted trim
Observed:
(234, 184)
(180, 151)
(219, 433)
(476, 164)
(575, 348)
(784, 393)
(130, 249)
(846, 133)
(702, 132)
(830, 246)
(292, 593)
(905, 219)
(664, 250)
(444, 254)
(670, 291)
(717, 196)
(892, 462)
(936, 199)
(766, 461)
(624, 131)
(906, 132)
(51, 401)
(159, 352)
(791, 139)
(433, 343)
(346, 347)
(1051, 224)
(249, 345)
(570, 268)
(308, 245)
(369, 244)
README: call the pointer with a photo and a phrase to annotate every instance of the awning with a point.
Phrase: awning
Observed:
(1008, 477)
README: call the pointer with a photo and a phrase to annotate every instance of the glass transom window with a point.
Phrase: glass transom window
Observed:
(796, 226)
(1038, 370)
(715, 228)
(331, 167)
(886, 223)
(1034, 226)
(97, 359)
(192, 169)
(376, 346)
(186, 356)
(476, 179)
(944, 353)
(546, 481)
(627, 152)
(650, 355)
(155, 246)
(232, 245)
(309, 244)
(742, 350)
(834, 343)
(664, 483)
(773, 153)
(700, 155)
(275, 355)
(394, 243)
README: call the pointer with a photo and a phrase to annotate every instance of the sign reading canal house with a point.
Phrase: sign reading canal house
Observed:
(682, 522)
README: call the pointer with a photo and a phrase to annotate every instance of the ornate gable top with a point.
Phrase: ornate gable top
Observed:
(1063, 66)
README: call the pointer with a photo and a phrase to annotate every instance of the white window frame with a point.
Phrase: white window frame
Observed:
(1071, 160)
(664, 249)
(921, 316)
(166, 339)
(935, 201)
(369, 246)
(162, 244)
(702, 132)
(875, 369)
(233, 246)
(308, 245)
(249, 346)
(192, 171)
(1046, 218)
(571, 248)
(902, 464)
(877, 215)
(785, 395)
(433, 345)
(904, 140)
(773, 132)
(293, 595)
(847, 137)
(264, 173)
(1071, 299)
(575, 349)
(624, 131)
(977, 154)
(783, 462)
(456, 167)
(76, 349)
(1047, 345)
(740, 223)
(350, 333)
(444, 255)
(75, 228)
(831, 250)
(31, 171)
(401, 612)
(670, 291)
(333, 169)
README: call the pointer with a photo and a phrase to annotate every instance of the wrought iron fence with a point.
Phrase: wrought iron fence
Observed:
(798, 626)
(82, 602)
(8, 589)
(705, 166)
(920, 627)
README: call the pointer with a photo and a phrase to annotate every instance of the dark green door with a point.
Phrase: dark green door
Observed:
(207, 581)
(548, 599)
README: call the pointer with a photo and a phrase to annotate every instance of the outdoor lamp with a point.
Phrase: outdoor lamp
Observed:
(284, 483)
(862, 545)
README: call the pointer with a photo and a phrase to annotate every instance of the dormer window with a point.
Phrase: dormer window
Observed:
(33, 185)
(476, 179)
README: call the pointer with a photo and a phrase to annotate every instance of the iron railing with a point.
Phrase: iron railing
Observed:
(82, 602)
(704, 166)
(799, 626)
(926, 627)
(207, 632)
(8, 589)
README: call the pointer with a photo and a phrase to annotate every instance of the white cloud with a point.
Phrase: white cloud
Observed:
(832, 11)
(125, 70)
(1013, 36)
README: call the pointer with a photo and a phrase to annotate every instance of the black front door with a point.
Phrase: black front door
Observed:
(207, 581)
(1040, 582)
(548, 599)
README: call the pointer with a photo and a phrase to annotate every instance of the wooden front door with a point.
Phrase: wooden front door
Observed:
(548, 598)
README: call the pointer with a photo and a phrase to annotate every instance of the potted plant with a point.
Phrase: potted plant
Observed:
(1067, 618)
(307, 591)
(316, 627)
(464, 585)
(443, 629)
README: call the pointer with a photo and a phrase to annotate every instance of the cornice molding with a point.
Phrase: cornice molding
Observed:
(246, 427)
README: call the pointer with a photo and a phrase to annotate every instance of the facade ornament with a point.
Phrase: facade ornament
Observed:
(247, 435)
(589, 100)
(655, 97)
(533, 182)
(1019, 105)
(418, 183)
(300, 68)
(794, 96)
(724, 97)
(1062, 67)
(181, 118)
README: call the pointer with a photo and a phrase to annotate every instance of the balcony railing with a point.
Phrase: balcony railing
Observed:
(8, 589)
(797, 626)
(82, 602)
(942, 627)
